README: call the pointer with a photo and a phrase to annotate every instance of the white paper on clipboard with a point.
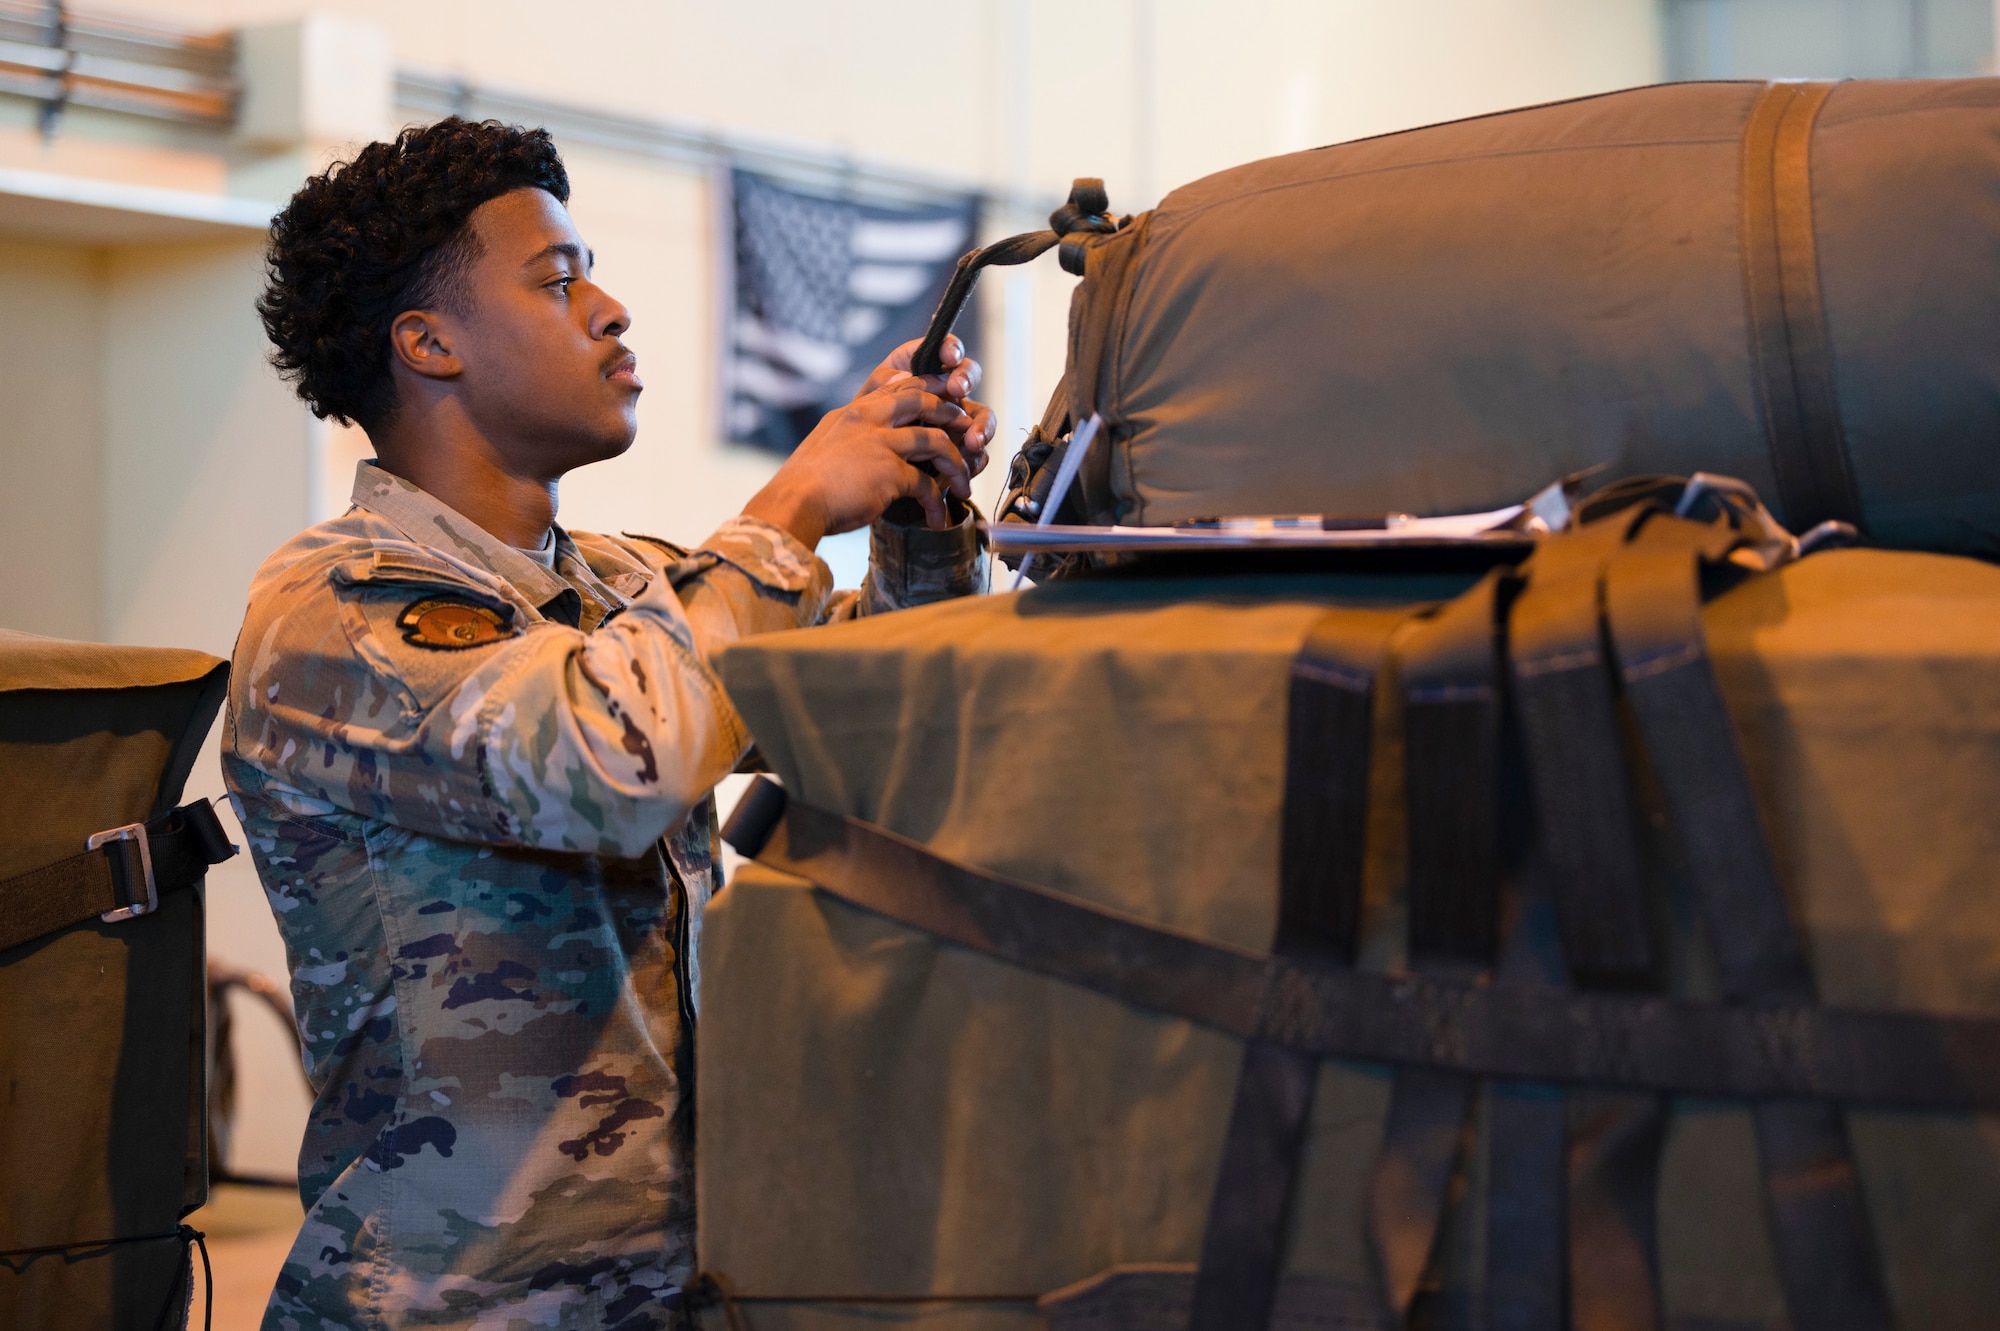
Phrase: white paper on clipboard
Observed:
(1473, 528)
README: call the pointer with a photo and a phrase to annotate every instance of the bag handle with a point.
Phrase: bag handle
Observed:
(1087, 213)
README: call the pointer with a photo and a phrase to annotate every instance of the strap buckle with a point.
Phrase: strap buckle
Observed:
(129, 832)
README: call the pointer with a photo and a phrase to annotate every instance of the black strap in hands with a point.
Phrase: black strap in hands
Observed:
(1323, 833)
(929, 355)
(183, 843)
(1085, 214)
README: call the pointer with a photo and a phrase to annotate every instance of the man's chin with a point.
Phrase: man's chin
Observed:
(574, 451)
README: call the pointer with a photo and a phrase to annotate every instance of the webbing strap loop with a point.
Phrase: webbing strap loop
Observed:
(1791, 349)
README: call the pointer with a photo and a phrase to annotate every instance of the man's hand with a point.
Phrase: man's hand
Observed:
(868, 454)
(958, 383)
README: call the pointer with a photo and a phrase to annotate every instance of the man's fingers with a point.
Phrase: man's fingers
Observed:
(958, 382)
(960, 378)
(937, 448)
(897, 364)
(979, 426)
(925, 491)
(964, 378)
(910, 405)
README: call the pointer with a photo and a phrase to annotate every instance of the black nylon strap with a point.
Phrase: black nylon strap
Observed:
(1790, 347)
(1525, 1140)
(1826, 1255)
(1424, 1139)
(1577, 772)
(1611, 1200)
(1085, 214)
(183, 842)
(1324, 824)
(1601, 1191)
(1323, 833)
(1242, 1246)
(1451, 723)
(1728, 1051)
(1524, 1215)
(1451, 727)
(929, 355)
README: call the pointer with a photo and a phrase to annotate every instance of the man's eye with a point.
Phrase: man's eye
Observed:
(562, 284)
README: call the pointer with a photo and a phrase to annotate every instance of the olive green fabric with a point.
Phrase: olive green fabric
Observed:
(102, 1026)
(880, 1115)
(1445, 320)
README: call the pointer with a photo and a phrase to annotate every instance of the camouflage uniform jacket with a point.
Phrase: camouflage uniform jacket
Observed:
(477, 792)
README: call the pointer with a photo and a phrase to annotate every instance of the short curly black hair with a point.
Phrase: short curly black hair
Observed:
(368, 239)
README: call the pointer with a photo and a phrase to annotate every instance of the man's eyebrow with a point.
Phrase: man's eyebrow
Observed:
(564, 249)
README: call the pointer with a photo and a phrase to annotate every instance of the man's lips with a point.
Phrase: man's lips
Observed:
(625, 368)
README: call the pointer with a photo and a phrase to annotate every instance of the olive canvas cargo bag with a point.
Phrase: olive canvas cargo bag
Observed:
(1608, 940)
(1792, 283)
(102, 979)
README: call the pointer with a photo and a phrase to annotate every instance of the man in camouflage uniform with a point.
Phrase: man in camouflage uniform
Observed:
(475, 769)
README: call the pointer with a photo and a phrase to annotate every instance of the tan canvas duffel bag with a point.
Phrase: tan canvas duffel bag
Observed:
(1609, 942)
(1792, 283)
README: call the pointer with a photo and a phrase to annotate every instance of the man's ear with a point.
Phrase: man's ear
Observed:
(423, 343)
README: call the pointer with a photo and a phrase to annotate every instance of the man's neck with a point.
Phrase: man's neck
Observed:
(469, 477)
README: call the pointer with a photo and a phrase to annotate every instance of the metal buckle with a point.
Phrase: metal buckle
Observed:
(130, 832)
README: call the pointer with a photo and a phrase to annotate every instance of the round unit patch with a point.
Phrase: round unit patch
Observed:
(453, 623)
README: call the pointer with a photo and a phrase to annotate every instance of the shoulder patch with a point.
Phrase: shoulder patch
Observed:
(454, 623)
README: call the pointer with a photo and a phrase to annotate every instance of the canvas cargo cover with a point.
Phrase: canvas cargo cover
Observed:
(1664, 280)
(883, 1117)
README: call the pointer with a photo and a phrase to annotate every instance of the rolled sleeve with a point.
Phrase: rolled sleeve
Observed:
(912, 565)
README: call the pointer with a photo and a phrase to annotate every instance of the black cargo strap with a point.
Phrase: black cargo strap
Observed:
(1725, 1050)
(1790, 346)
(1826, 1256)
(1580, 1185)
(1322, 835)
(1451, 738)
(1576, 771)
(174, 849)
(1086, 214)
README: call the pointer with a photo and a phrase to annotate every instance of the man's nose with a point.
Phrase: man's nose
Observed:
(611, 318)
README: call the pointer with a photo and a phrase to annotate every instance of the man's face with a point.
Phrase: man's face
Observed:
(545, 375)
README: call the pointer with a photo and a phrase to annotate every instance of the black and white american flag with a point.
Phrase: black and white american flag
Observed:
(825, 287)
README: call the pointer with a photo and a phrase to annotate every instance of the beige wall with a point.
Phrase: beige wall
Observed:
(51, 437)
(204, 450)
(153, 459)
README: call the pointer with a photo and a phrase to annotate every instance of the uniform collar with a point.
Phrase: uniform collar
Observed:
(428, 521)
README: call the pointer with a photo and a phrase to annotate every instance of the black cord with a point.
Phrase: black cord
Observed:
(187, 1235)
(200, 1240)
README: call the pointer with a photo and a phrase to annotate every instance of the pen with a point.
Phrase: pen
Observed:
(1301, 521)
